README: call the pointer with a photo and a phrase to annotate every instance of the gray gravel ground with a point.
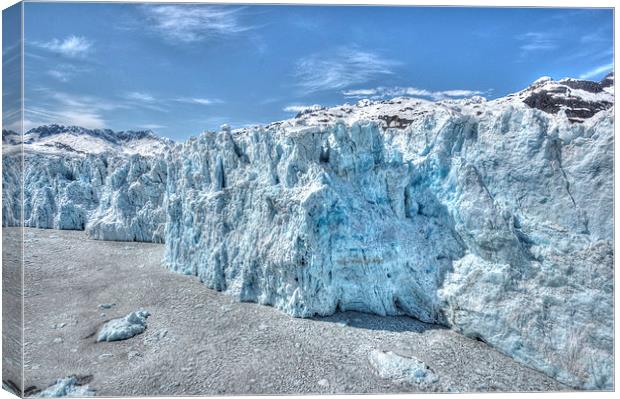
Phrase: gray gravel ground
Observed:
(199, 341)
(12, 309)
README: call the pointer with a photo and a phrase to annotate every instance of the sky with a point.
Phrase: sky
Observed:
(181, 69)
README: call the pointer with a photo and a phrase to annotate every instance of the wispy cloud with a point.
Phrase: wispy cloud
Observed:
(41, 116)
(151, 126)
(140, 97)
(158, 103)
(387, 92)
(65, 72)
(459, 93)
(602, 35)
(597, 71)
(198, 100)
(194, 23)
(53, 106)
(536, 41)
(72, 46)
(68, 109)
(60, 75)
(340, 69)
(301, 108)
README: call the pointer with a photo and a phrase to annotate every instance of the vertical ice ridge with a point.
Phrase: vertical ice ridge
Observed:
(451, 232)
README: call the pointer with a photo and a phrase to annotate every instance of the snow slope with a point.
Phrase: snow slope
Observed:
(492, 217)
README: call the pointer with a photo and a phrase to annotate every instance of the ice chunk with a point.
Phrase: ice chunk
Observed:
(124, 328)
(69, 386)
(399, 368)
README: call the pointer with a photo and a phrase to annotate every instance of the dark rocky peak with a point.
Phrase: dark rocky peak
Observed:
(587, 85)
(608, 81)
(10, 137)
(136, 135)
(579, 99)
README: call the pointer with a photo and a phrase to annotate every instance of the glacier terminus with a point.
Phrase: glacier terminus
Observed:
(491, 217)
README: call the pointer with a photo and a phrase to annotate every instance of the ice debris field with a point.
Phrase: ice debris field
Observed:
(494, 218)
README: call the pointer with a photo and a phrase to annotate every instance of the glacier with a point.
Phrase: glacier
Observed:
(109, 184)
(494, 218)
(491, 217)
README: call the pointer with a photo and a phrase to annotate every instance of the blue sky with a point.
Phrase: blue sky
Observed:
(182, 69)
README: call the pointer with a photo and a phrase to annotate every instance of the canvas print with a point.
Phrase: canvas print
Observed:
(224, 199)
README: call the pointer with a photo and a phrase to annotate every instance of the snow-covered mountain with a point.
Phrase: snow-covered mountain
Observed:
(577, 99)
(68, 140)
(492, 217)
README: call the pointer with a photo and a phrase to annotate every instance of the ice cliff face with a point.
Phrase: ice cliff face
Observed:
(109, 184)
(494, 218)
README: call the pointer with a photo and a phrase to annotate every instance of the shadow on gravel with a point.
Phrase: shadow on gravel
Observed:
(380, 323)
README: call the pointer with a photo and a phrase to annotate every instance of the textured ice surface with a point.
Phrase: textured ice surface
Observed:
(124, 328)
(400, 368)
(112, 187)
(494, 218)
(130, 206)
(66, 387)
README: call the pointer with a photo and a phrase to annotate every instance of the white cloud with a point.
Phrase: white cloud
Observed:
(597, 71)
(197, 100)
(68, 109)
(145, 100)
(536, 41)
(194, 23)
(600, 35)
(360, 93)
(64, 72)
(460, 93)
(301, 108)
(12, 117)
(341, 68)
(62, 76)
(72, 46)
(387, 92)
(36, 116)
(140, 96)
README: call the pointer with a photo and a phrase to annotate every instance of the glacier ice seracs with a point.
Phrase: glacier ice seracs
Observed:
(492, 217)
(110, 184)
